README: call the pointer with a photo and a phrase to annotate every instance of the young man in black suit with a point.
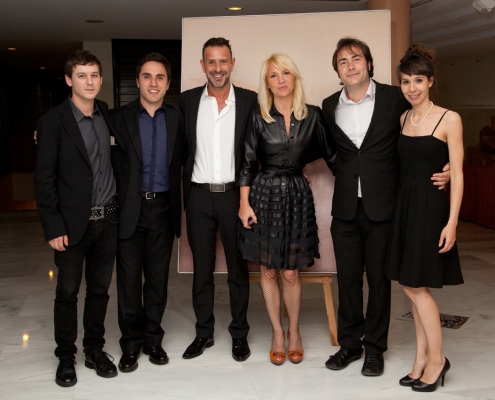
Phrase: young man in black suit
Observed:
(147, 163)
(364, 121)
(215, 118)
(75, 194)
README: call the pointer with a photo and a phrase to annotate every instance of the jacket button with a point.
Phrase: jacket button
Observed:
(356, 176)
(359, 152)
(140, 170)
(88, 198)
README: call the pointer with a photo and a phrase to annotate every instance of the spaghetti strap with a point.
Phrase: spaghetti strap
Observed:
(438, 123)
(405, 119)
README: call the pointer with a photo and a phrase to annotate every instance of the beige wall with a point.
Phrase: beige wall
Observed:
(103, 50)
(467, 85)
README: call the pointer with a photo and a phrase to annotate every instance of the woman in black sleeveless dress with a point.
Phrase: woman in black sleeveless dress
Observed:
(277, 212)
(422, 252)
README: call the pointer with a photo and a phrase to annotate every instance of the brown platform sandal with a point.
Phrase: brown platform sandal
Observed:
(296, 356)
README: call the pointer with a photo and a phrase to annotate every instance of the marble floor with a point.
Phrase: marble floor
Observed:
(27, 363)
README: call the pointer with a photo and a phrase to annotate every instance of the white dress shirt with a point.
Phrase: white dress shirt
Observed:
(215, 134)
(354, 118)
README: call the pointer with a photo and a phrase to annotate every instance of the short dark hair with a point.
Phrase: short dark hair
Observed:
(80, 57)
(417, 61)
(156, 57)
(349, 43)
(217, 42)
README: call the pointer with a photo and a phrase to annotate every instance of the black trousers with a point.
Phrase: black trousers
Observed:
(206, 213)
(97, 248)
(359, 243)
(147, 252)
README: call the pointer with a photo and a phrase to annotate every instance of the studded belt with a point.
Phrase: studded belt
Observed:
(102, 211)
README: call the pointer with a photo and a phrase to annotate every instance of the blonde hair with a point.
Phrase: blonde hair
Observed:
(265, 96)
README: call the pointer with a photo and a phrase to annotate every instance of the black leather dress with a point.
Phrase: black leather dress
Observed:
(286, 233)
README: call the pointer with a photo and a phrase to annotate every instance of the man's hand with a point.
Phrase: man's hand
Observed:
(441, 179)
(35, 134)
(59, 243)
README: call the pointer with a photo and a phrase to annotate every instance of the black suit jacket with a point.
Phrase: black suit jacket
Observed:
(63, 179)
(245, 102)
(127, 163)
(375, 163)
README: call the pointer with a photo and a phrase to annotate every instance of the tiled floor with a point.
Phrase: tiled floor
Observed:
(27, 366)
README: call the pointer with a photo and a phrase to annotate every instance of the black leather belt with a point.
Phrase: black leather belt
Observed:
(215, 187)
(153, 195)
(101, 212)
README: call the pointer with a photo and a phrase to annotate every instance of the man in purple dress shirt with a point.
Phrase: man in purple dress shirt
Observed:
(147, 165)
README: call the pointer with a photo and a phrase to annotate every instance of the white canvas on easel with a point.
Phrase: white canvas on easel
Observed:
(310, 39)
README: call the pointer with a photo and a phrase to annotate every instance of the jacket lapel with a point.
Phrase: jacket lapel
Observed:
(380, 101)
(71, 127)
(132, 124)
(240, 106)
(171, 119)
(193, 116)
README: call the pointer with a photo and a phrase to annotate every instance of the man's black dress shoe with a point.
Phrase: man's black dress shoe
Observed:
(240, 349)
(197, 347)
(408, 381)
(100, 361)
(129, 361)
(157, 355)
(342, 358)
(66, 372)
(373, 364)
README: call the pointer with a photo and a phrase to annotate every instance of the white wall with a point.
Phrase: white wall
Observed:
(103, 50)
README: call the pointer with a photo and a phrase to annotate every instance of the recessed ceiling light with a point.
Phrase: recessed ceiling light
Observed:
(42, 67)
(235, 8)
(11, 48)
(94, 21)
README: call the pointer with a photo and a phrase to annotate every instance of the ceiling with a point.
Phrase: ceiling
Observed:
(45, 31)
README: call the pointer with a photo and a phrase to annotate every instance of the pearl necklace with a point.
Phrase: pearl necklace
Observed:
(412, 114)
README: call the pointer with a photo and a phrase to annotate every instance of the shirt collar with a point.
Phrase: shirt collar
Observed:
(142, 109)
(78, 115)
(230, 100)
(370, 92)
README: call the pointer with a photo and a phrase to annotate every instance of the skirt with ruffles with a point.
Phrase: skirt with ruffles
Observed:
(286, 235)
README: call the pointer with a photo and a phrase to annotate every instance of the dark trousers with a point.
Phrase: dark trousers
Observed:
(147, 252)
(359, 243)
(97, 248)
(206, 213)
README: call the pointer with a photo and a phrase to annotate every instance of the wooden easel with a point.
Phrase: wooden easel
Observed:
(325, 280)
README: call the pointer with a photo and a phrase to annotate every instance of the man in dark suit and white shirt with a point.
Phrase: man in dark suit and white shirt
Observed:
(147, 162)
(364, 121)
(215, 118)
(75, 194)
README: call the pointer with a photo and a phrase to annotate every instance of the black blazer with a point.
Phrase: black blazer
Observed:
(128, 163)
(245, 102)
(63, 179)
(375, 162)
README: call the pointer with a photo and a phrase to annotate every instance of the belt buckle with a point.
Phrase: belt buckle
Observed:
(220, 186)
(151, 195)
(100, 209)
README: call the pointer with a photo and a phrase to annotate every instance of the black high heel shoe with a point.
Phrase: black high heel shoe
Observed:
(420, 386)
(408, 381)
